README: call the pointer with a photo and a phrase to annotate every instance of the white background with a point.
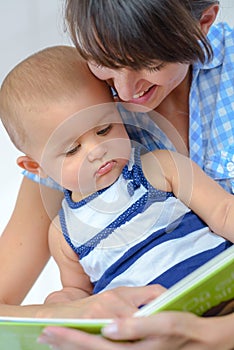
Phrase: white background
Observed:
(27, 26)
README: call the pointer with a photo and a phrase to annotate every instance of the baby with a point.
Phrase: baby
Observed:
(129, 216)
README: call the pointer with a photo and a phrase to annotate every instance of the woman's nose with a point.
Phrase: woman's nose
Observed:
(125, 83)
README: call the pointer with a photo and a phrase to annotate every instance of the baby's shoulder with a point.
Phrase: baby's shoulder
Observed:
(154, 165)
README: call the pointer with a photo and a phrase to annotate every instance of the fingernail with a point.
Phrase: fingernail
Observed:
(45, 337)
(110, 329)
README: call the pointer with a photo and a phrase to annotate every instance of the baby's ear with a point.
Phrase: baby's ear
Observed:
(30, 165)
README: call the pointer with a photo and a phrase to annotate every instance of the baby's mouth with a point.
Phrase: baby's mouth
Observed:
(106, 168)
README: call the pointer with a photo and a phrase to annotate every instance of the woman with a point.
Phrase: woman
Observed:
(169, 76)
(165, 55)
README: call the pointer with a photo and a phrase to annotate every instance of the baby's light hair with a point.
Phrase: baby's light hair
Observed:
(50, 75)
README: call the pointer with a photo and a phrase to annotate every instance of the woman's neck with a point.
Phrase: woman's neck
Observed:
(174, 115)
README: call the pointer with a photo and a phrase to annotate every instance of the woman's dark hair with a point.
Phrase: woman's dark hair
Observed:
(136, 33)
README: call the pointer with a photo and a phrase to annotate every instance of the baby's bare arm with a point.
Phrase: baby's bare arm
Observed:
(174, 172)
(76, 283)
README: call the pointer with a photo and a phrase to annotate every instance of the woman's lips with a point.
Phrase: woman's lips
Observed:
(106, 168)
(145, 97)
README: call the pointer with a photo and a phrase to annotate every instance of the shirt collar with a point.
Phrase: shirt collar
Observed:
(216, 37)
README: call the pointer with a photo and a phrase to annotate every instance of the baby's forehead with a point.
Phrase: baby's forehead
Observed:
(81, 122)
(93, 116)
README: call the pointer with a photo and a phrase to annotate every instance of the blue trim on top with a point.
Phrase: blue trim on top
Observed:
(64, 228)
(76, 205)
(138, 207)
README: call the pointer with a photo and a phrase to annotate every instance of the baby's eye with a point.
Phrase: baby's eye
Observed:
(73, 150)
(105, 130)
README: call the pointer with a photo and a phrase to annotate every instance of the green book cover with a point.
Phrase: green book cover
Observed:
(18, 333)
(207, 291)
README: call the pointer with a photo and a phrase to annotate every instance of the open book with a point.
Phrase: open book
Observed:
(207, 291)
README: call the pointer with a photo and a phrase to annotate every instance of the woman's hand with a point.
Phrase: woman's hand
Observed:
(166, 330)
(119, 302)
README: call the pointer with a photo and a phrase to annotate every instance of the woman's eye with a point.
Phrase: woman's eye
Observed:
(96, 65)
(99, 66)
(73, 150)
(105, 130)
(156, 68)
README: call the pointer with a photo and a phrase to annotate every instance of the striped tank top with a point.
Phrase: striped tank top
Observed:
(131, 234)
